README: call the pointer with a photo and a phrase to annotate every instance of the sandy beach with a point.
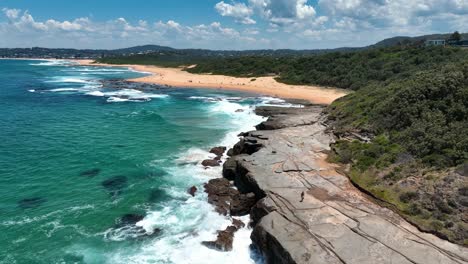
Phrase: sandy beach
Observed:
(177, 77)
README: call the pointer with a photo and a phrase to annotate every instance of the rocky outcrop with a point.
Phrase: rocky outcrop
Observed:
(225, 237)
(192, 190)
(228, 200)
(211, 163)
(218, 151)
(307, 212)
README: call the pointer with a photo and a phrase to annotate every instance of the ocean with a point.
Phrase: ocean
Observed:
(77, 154)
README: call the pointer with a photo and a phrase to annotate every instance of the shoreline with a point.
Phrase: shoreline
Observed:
(177, 77)
(306, 211)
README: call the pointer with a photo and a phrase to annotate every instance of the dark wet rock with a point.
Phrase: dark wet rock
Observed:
(211, 163)
(220, 193)
(31, 202)
(239, 110)
(218, 151)
(126, 227)
(157, 195)
(242, 203)
(130, 219)
(156, 173)
(223, 241)
(238, 223)
(247, 145)
(228, 200)
(230, 152)
(123, 84)
(115, 184)
(90, 173)
(229, 169)
(192, 190)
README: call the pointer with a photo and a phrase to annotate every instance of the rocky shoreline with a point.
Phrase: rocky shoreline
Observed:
(302, 210)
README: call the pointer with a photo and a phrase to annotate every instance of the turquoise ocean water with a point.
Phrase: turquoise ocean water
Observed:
(77, 155)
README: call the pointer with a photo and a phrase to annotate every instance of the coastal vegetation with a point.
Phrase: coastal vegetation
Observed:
(406, 139)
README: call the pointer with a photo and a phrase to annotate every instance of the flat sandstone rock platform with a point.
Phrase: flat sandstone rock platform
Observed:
(309, 212)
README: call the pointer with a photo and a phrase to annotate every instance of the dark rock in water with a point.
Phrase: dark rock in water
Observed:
(230, 152)
(218, 151)
(220, 194)
(156, 173)
(242, 203)
(228, 200)
(126, 227)
(123, 84)
(239, 110)
(31, 202)
(210, 163)
(157, 195)
(229, 169)
(130, 219)
(90, 173)
(192, 190)
(115, 184)
(223, 241)
(237, 223)
(247, 145)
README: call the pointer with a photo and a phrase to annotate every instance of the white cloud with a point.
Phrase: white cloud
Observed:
(386, 13)
(283, 12)
(239, 11)
(11, 13)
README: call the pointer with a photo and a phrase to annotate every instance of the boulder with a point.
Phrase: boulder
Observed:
(242, 203)
(218, 151)
(229, 169)
(223, 241)
(130, 219)
(31, 202)
(220, 194)
(192, 190)
(211, 163)
(115, 184)
(238, 223)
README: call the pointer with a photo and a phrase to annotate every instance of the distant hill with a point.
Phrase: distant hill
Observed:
(143, 49)
(403, 40)
(157, 50)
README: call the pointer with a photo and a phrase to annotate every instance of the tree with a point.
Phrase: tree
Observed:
(455, 36)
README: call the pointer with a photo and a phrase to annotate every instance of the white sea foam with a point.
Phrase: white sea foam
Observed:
(95, 93)
(186, 223)
(273, 101)
(130, 95)
(64, 90)
(32, 91)
(68, 79)
(53, 63)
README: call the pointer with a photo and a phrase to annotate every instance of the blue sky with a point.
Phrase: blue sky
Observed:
(215, 24)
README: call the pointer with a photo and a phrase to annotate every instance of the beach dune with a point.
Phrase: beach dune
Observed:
(177, 77)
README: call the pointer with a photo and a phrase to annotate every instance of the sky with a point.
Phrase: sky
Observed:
(226, 25)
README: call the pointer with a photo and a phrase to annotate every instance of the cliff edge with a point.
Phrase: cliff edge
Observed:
(307, 212)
